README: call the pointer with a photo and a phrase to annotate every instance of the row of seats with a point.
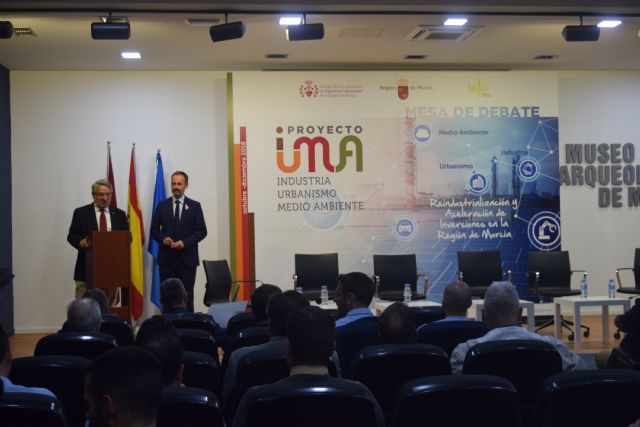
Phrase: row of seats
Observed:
(581, 398)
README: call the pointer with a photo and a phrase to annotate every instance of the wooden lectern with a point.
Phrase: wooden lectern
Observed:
(108, 266)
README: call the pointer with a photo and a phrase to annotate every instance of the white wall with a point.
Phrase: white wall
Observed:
(60, 124)
(598, 107)
(61, 120)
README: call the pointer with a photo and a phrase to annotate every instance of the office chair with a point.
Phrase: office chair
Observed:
(188, 406)
(599, 397)
(202, 371)
(315, 270)
(634, 290)
(525, 363)
(391, 272)
(312, 401)
(447, 335)
(89, 345)
(480, 269)
(249, 336)
(62, 374)
(118, 328)
(427, 315)
(385, 368)
(240, 321)
(549, 277)
(458, 400)
(200, 321)
(30, 409)
(219, 284)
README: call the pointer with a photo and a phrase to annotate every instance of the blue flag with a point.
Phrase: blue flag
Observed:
(159, 195)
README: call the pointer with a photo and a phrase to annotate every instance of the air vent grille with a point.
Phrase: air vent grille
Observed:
(438, 33)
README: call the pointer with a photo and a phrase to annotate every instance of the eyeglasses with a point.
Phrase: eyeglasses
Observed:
(102, 194)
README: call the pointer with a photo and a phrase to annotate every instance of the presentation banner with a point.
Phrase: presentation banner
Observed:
(365, 163)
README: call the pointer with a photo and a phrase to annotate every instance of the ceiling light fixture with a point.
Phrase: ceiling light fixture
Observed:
(305, 31)
(455, 22)
(110, 29)
(581, 33)
(131, 55)
(609, 23)
(227, 31)
(6, 29)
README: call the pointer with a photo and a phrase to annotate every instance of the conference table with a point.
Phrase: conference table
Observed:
(575, 303)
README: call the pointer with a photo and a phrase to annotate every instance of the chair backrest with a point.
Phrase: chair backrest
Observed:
(458, 400)
(218, 286)
(426, 315)
(191, 321)
(316, 270)
(89, 345)
(448, 334)
(385, 368)
(636, 268)
(199, 341)
(202, 371)
(63, 375)
(353, 337)
(526, 363)
(240, 321)
(118, 328)
(312, 401)
(248, 336)
(480, 268)
(256, 368)
(188, 406)
(554, 268)
(394, 271)
(602, 397)
(30, 409)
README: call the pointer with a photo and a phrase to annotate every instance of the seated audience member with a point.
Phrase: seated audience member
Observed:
(311, 334)
(83, 315)
(168, 350)
(260, 298)
(397, 325)
(155, 325)
(5, 370)
(359, 327)
(123, 388)
(101, 298)
(502, 313)
(279, 307)
(629, 323)
(174, 298)
(456, 301)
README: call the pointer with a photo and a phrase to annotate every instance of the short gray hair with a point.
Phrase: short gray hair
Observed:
(501, 298)
(84, 315)
(103, 182)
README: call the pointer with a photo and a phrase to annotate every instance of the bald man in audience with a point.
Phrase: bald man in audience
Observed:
(502, 314)
(456, 301)
(83, 315)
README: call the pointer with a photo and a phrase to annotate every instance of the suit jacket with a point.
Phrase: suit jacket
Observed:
(191, 229)
(83, 223)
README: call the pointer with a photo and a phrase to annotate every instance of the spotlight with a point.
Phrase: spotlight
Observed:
(305, 32)
(6, 29)
(581, 33)
(227, 31)
(110, 30)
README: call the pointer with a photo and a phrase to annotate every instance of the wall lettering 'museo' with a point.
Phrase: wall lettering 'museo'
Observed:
(610, 168)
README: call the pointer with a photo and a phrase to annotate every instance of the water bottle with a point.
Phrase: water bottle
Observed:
(583, 288)
(407, 293)
(324, 295)
(299, 290)
(612, 289)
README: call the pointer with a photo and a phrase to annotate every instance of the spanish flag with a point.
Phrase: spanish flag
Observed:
(137, 238)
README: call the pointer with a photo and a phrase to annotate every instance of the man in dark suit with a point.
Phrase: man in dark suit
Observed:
(96, 216)
(178, 225)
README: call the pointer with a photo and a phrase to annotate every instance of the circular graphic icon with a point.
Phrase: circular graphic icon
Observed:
(528, 169)
(478, 183)
(421, 134)
(322, 216)
(404, 228)
(544, 231)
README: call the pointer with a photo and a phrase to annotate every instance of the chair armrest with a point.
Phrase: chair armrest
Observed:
(235, 287)
(618, 270)
(376, 283)
(508, 273)
(536, 281)
(295, 281)
(584, 273)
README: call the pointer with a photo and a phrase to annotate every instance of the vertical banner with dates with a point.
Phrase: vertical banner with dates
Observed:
(366, 163)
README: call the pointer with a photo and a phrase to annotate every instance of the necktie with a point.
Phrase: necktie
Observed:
(176, 214)
(103, 221)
